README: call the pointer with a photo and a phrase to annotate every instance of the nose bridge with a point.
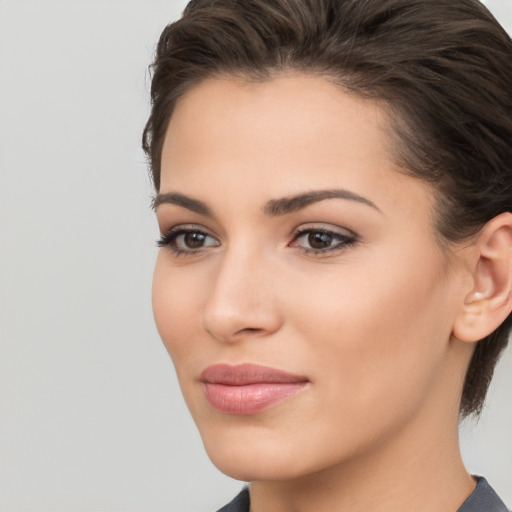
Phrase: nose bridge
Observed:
(241, 299)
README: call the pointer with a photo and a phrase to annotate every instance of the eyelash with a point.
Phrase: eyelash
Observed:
(345, 241)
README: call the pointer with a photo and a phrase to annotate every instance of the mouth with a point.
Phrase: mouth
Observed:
(246, 389)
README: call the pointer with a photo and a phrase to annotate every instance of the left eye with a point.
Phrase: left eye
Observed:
(319, 240)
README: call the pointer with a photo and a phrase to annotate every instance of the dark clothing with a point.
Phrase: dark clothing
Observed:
(482, 499)
(240, 503)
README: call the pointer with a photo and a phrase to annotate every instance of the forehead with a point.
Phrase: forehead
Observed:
(295, 113)
(293, 99)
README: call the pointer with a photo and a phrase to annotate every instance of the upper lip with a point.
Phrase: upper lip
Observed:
(247, 373)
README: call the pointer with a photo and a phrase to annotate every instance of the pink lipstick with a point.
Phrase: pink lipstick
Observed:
(247, 388)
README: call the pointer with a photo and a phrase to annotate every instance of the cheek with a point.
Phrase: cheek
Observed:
(175, 299)
(381, 337)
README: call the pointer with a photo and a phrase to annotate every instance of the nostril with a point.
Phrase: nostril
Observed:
(249, 330)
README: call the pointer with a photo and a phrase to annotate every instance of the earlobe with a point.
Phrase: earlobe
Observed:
(489, 302)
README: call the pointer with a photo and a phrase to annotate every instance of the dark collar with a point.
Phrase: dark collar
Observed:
(482, 499)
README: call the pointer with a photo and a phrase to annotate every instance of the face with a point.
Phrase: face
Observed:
(299, 288)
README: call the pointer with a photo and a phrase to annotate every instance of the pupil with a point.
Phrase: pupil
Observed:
(319, 240)
(194, 240)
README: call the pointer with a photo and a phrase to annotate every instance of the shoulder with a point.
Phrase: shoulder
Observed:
(240, 503)
(483, 498)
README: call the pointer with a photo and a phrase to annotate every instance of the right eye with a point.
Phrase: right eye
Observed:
(187, 240)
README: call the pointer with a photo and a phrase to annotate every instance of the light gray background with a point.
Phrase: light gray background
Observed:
(91, 417)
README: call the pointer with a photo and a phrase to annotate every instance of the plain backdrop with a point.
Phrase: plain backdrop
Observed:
(91, 417)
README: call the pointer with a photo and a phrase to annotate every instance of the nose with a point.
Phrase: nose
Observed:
(242, 300)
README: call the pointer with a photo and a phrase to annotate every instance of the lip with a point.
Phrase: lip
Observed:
(245, 389)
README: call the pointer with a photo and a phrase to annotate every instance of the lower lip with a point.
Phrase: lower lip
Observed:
(250, 398)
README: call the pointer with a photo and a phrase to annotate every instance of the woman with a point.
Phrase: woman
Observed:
(334, 285)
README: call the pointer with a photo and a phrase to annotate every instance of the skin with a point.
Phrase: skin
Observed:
(369, 323)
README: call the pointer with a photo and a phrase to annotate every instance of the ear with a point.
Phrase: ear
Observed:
(489, 302)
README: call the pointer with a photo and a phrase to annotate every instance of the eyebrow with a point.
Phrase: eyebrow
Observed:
(285, 205)
(193, 205)
(273, 208)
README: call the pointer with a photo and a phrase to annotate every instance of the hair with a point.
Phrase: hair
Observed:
(442, 68)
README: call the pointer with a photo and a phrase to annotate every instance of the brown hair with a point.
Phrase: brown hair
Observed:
(443, 68)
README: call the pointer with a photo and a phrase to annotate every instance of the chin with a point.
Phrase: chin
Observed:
(249, 452)
(242, 457)
(248, 466)
(256, 453)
